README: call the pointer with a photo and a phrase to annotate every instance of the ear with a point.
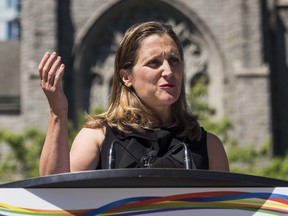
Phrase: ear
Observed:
(126, 78)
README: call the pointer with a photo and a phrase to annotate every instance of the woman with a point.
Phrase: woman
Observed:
(148, 122)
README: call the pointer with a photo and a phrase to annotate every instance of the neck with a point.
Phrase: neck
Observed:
(163, 118)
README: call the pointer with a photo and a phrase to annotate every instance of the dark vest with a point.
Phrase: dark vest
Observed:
(160, 148)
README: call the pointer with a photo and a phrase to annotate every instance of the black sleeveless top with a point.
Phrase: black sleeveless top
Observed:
(159, 148)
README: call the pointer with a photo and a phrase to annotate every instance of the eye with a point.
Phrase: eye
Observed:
(154, 63)
(174, 61)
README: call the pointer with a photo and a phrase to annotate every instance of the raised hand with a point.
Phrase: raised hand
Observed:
(51, 71)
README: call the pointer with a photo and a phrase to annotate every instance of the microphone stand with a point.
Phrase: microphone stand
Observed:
(111, 155)
(187, 159)
(150, 157)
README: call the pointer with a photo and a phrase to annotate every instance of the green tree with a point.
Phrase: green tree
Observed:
(21, 158)
(206, 113)
(242, 159)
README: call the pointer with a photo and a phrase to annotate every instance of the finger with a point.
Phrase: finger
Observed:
(53, 71)
(48, 65)
(50, 80)
(59, 75)
(42, 63)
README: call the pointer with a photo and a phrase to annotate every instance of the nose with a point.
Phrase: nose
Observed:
(167, 70)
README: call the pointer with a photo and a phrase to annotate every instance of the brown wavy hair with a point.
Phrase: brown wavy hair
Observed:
(126, 111)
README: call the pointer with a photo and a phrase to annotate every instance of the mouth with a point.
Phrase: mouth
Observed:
(168, 85)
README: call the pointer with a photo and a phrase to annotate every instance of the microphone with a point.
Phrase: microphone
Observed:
(187, 159)
(149, 158)
(111, 155)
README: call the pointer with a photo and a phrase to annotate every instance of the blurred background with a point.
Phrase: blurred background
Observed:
(236, 72)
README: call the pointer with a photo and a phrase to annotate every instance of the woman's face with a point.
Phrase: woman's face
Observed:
(157, 74)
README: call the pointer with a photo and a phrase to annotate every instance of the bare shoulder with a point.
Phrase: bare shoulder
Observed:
(216, 153)
(85, 150)
(213, 139)
(89, 133)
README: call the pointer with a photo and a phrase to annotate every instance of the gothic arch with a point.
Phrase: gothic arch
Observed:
(97, 42)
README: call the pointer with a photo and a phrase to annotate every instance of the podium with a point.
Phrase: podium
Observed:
(145, 192)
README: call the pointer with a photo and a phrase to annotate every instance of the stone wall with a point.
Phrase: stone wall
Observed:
(235, 48)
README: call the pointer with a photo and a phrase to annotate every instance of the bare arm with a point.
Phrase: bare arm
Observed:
(55, 153)
(86, 149)
(217, 156)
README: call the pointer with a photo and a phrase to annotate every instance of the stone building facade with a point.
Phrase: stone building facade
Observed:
(238, 45)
